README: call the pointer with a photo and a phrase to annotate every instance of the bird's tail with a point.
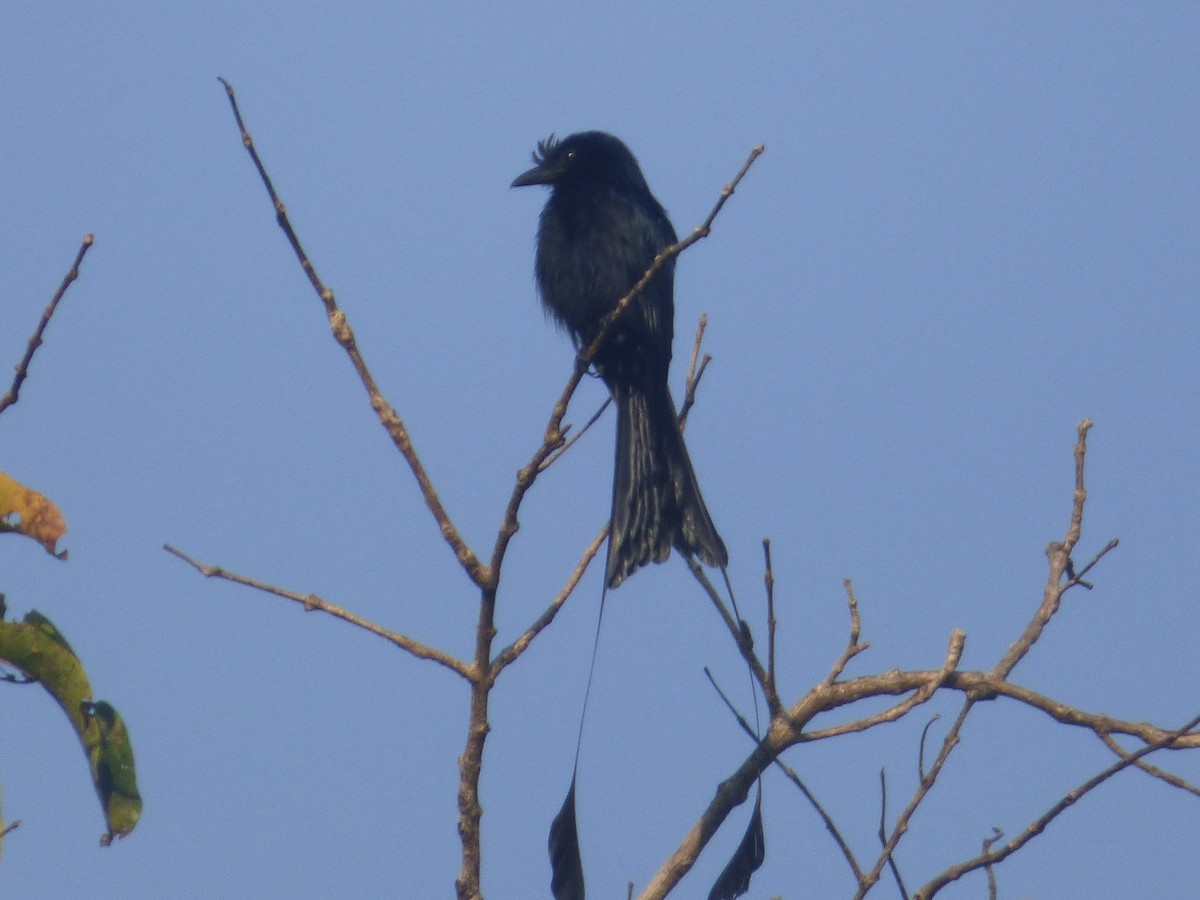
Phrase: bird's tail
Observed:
(656, 500)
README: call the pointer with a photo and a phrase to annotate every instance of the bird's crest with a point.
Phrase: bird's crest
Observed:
(545, 149)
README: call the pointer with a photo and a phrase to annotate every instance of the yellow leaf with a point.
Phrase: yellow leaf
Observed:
(26, 511)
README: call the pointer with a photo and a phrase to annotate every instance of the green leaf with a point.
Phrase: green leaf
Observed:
(38, 648)
(111, 758)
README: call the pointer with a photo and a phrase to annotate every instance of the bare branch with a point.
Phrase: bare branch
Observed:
(794, 778)
(741, 637)
(342, 333)
(882, 833)
(694, 375)
(1152, 770)
(312, 602)
(1074, 578)
(921, 747)
(787, 729)
(975, 684)
(1059, 556)
(921, 695)
(1036, 827)
(509, 654)
(769, 584)
(22, 369)
(825, 817)
(553, 458)
(922, 791)
(853, 647)
(988, 843)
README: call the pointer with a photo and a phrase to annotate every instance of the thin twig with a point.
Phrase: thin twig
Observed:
(553, 458)
(974, 684)
(741, 720)
(769, 584)
(1059, 555)
(1074, 578)
(921, 747)
(825, 817)
(342, 333)
(667, 254)
(741, 637)
(1152, 770)
(882, 833)
(922, 694)
(792, 776)
(1036, 827)
(923, 788)
(693, 374)
(853, 647)
(510, 653)
(22, 370)
(312, 602)
(988, 843)
(788, 730)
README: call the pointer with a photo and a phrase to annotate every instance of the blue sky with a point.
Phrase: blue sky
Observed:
(972, 227)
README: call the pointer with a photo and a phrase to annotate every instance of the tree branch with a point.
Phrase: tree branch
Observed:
(342, 333)
(312, 602)
(22, 369)
(1059, 556)
(991, 857)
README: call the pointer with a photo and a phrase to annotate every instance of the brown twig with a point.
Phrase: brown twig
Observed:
(787, 731)
(788, 728)
(567, 445)
(827, 819)
(920, 695)
(22, 369)
(1036, 827)
(1059, 556)
(790, 773)
(1074, 578)
(694, 374)
(1151, 770)
(975, 684)
(769, 585)
(741, 637)
(882, 834)
(699, 233)
(853, 647)
(342, 333)
(312, 602)
(923, 787)
(988, 843)
(921, 745)
(509, 654)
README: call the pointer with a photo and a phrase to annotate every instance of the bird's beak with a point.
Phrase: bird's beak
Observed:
(537, 175)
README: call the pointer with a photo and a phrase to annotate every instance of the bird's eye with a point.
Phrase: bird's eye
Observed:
(570, 155)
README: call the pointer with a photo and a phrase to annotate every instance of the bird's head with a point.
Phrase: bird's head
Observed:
(586, 158)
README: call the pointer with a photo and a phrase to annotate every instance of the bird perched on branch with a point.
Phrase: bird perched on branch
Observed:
(599, 233)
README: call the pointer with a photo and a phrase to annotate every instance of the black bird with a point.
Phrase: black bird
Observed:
(599, 232)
